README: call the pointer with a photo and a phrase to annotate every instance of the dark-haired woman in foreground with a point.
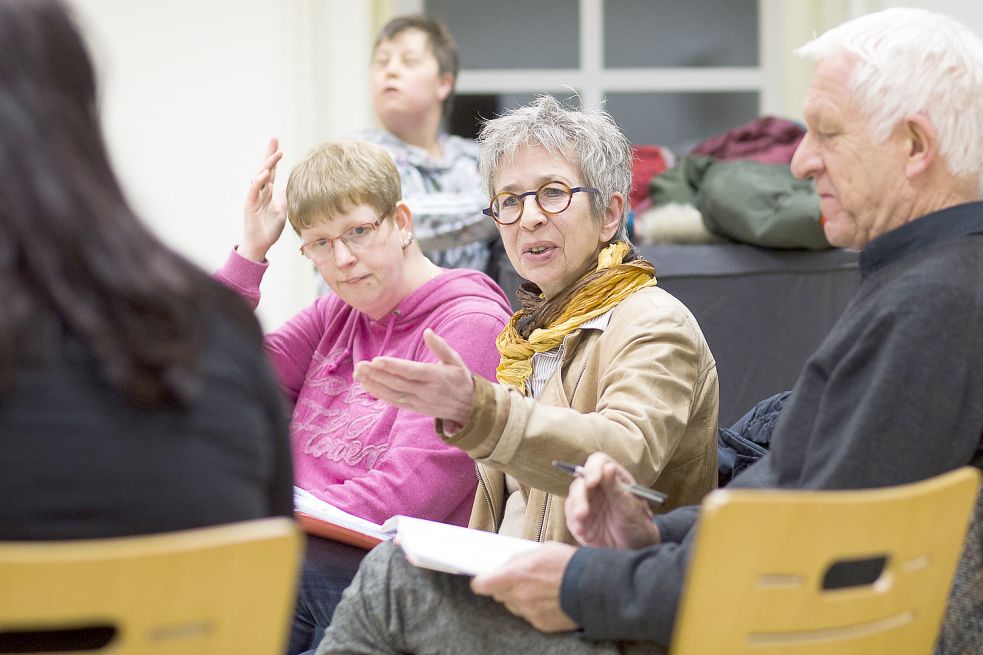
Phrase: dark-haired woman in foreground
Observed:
(134, 394)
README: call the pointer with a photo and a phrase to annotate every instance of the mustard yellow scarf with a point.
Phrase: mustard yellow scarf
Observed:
(596, 295)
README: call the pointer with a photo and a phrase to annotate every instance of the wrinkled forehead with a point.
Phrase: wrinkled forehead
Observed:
(536, 163)
(831, 83)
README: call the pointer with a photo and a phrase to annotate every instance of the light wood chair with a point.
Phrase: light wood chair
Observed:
(224, 589)
(768, 569)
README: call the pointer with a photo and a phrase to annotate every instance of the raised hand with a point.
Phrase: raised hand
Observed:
(264, 213)
(443, 389)
(601, 512)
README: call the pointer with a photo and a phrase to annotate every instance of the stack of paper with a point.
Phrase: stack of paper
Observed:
(325, 520)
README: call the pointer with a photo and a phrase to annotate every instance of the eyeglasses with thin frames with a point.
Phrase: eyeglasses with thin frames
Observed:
(553, 198)
(356, 238)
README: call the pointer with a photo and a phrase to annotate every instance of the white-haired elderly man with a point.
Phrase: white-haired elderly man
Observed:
(893, 395)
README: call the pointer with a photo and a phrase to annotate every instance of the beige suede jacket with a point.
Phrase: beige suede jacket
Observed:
(643, 390)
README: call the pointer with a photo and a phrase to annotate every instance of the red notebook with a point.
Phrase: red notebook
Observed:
(323, 519)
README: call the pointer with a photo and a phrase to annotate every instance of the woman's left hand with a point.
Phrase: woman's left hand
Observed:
(443, 390)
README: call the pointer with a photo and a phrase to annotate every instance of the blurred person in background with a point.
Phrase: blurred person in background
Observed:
(413, 72)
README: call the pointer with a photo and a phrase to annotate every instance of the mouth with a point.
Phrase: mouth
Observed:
(537, 249)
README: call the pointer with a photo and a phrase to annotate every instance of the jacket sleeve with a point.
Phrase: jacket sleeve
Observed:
(626, 594)
(242, 276)
(419, 475)
(631, 594)
(653, 361)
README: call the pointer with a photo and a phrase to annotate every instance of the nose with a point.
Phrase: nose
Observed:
(343, 255)
(532, 216)
(806, 161)
(392, 66)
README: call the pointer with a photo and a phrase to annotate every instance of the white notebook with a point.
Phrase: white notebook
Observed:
(454, 549)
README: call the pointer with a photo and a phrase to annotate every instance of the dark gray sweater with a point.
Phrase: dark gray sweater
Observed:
(893, 395)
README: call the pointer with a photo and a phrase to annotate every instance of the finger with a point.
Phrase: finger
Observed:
(276, 160)
(269, 164)
(271, 157)
(615, 472)
(255, 189)
(416, 373)
(597, 460)
(391, 373)
(384, 392)
(490, 584)
(442, 350)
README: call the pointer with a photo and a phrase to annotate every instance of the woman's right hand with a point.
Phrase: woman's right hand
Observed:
(265, 215)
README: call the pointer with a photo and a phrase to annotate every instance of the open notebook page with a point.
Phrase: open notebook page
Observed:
(454, 549)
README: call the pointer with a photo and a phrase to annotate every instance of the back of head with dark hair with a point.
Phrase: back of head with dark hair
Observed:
(70, 246)
(442, 44)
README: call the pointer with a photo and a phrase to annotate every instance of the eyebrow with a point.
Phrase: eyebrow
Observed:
(538, 182)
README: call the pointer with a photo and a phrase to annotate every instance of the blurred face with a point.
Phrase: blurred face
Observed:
(370, 276)
(552, 250)
(406, 83)
(861, 185)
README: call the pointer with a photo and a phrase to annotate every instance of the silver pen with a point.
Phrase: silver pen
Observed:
(651, 495)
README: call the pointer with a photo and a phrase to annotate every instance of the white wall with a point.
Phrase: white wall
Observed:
(799, 20)
(193, 89)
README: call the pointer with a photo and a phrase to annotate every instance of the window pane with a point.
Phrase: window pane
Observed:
(471, 110)
(512, 33)
(672, 33)
(680, 121)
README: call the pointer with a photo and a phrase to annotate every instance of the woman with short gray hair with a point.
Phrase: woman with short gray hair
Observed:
(599, 358)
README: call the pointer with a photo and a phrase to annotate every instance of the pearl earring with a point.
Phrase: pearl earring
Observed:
(409, 239)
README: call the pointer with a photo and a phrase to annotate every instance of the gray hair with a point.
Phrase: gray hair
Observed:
(910, 61)
(588, 138)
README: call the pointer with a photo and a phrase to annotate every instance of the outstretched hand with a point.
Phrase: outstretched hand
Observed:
(264, 213)
(441, 389)
(601, 512)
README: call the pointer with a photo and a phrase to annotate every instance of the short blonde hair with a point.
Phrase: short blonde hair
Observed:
(336, 178)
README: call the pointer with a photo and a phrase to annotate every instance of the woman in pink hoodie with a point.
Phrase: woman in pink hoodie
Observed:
(351, 449)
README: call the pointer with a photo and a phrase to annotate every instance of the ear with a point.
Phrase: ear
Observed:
(612, 217)
(403, 217)
(921, 144)
(445, 82)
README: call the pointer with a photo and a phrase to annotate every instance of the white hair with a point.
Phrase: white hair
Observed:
(910, 61)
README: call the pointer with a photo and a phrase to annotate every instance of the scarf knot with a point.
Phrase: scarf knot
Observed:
(541, 325)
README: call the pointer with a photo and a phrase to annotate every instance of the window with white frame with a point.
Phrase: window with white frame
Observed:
(671, 72)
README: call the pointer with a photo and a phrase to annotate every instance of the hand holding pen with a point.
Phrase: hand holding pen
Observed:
(604, 508)
(651, 495)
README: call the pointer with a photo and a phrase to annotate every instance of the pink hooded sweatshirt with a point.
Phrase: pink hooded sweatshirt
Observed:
(357, 452)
